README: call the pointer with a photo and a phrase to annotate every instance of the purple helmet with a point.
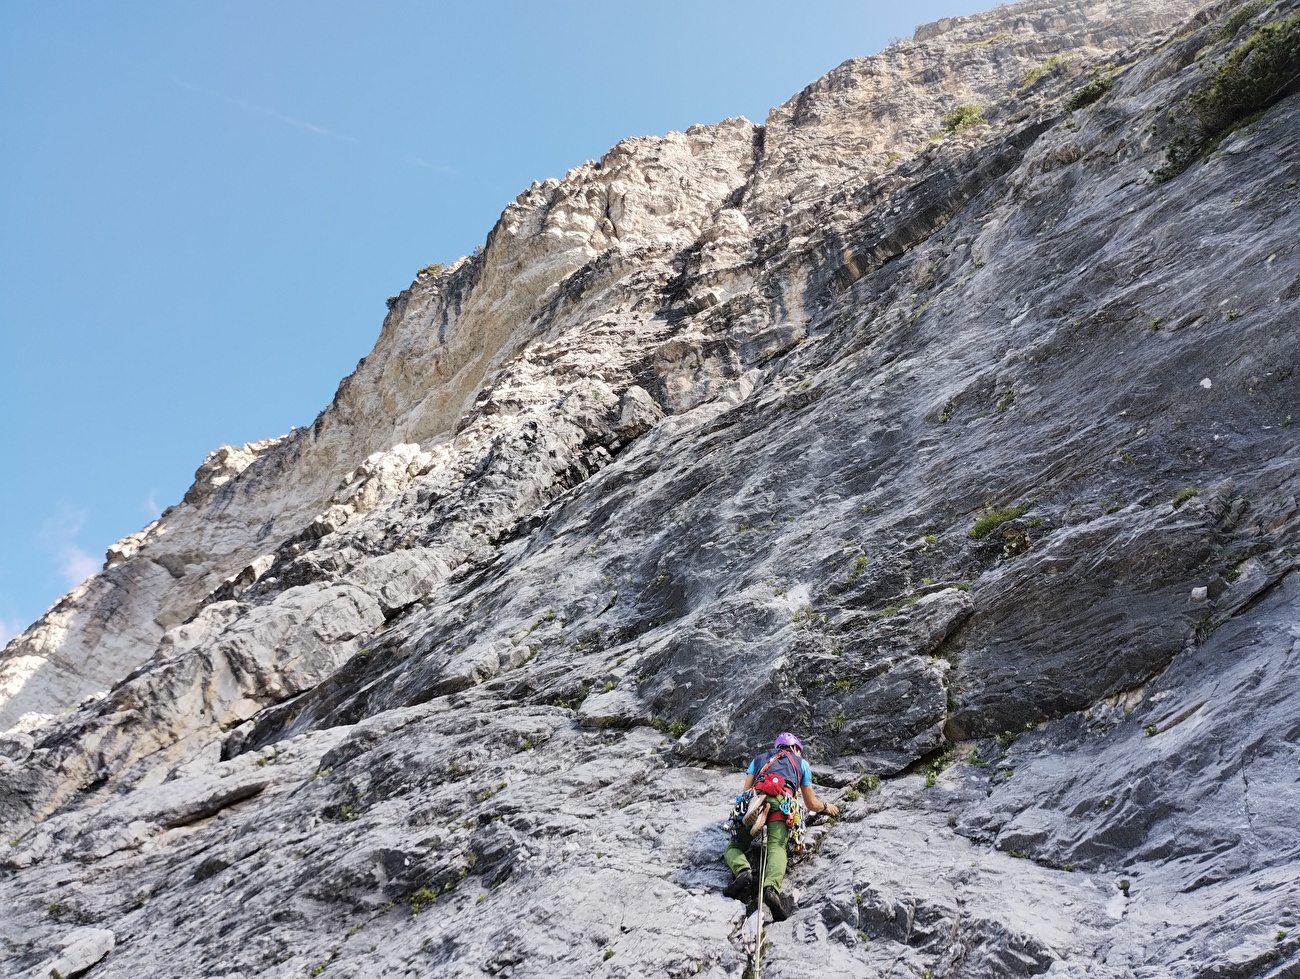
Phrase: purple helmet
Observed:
(787, 740)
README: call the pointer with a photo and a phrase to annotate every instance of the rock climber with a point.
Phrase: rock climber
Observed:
(769, 797)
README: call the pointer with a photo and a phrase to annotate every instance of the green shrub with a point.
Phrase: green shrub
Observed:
(1184, 494)
(1257, 73)
(991, 520)
(962, 118)
(1091, 92)
(1235, 21)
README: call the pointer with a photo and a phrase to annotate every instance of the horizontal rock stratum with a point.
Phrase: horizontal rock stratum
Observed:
(946, 418)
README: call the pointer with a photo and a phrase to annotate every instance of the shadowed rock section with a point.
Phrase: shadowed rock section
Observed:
(965, 451)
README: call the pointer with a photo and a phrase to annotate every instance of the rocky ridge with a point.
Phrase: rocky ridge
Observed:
(930, 419)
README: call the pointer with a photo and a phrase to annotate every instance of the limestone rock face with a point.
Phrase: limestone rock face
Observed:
(928, 420)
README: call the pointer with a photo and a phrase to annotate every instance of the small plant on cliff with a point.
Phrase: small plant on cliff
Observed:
(962, 118)
(859, 565)
(417, 901)
(991, 520)
(1184, 494)
(572, 701)
(434, 269)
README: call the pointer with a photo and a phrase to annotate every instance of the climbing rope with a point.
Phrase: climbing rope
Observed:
(762, 872)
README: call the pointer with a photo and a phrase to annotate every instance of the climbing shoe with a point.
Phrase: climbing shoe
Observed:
(742, 888)
(781, 905)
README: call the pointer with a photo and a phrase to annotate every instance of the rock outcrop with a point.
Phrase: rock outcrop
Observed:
(945, 418)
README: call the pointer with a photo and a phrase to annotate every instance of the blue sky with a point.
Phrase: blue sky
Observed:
(204, 205)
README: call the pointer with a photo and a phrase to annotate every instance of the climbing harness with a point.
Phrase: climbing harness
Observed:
(789, 807)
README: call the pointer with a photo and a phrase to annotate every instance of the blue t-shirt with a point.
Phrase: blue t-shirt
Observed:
(805, 770)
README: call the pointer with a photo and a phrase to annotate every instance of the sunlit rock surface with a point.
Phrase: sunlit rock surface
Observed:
(964, 451)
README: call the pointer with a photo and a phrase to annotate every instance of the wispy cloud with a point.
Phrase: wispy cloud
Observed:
(267, 111)
(303, 124)
(58, 535)
(8, 629)
(151, 506)
(423, 164)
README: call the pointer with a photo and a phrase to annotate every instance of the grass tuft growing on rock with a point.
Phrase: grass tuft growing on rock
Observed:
(1032, 75)
(1185, 494)
(417, 901)
(991, 520)
(859, 565)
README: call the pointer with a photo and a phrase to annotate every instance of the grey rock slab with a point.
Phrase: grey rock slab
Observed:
(80, 950)
(460, 680)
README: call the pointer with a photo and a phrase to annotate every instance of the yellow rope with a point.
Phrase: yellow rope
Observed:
(762, 872)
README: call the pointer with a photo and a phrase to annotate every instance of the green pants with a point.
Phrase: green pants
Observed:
(774, 872)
